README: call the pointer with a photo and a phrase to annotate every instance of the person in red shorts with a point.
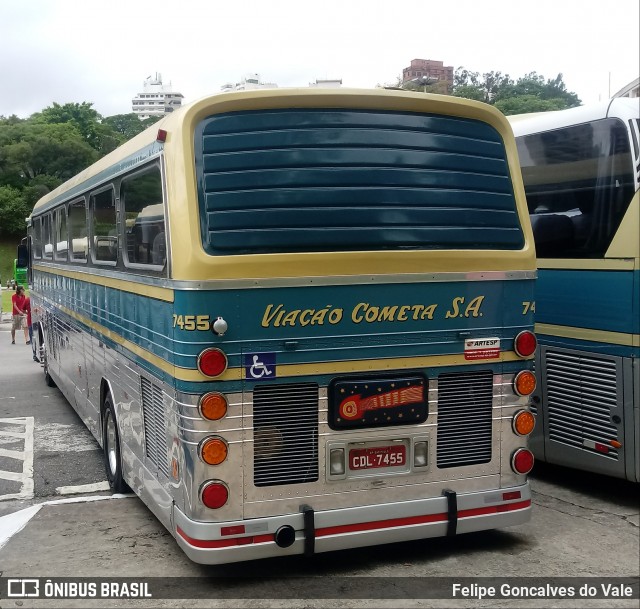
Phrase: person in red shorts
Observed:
(19, 315)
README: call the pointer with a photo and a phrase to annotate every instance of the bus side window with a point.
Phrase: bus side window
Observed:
(77, 225)
(141, 200)
(104, 231)
(60, 234)
(47, 243)
(553, 234)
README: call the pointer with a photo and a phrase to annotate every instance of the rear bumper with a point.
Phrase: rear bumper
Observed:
(339, 529)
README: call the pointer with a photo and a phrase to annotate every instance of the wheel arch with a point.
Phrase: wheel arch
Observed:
(105, 390)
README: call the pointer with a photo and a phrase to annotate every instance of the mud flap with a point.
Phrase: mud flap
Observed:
(309, 530)
(452, 512)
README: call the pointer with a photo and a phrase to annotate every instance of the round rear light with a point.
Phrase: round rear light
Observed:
(525, 343)
(524, 383)
(212, 362)
(213, 406)
(522, 461)
(214, 494)
(523, 422)
(213, 451)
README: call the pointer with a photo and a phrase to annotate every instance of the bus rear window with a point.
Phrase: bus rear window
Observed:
(340, 180)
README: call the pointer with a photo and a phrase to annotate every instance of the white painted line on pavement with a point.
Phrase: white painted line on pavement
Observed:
(82, 488)
(19, 428)
(14, 523)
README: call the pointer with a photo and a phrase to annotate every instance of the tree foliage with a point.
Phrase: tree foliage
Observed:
(528, 93)
(37, 154)
(127, 126)
(40, 152)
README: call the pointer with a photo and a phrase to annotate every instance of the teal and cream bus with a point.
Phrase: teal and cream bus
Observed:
(300, 320)
(581, 170)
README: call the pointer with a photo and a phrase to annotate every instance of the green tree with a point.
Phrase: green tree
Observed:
(13, 211)
(39, 153)
(529, 93)
(524, 104)
(127, 126)
(34, 149)
(82, 116)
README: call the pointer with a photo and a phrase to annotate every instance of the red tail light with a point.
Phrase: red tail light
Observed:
(212, 362)
(525, 343)
(214, 494)
(522, 461)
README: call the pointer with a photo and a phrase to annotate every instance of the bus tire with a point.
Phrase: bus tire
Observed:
(111, 448)
(47, 377)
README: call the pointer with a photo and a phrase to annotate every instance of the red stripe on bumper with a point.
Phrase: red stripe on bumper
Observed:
(359, 527)
(411, 520)
(223, 543)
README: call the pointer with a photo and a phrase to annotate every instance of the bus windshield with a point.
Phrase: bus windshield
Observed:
(579, 182)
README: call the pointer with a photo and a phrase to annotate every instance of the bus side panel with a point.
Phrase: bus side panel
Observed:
(586, 329)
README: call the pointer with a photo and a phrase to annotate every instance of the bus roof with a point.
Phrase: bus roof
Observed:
(620, 107)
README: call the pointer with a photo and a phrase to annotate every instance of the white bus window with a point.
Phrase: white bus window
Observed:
(77, 225)
(47, 242)
(141, 198)
(60, 232)
(104, 230)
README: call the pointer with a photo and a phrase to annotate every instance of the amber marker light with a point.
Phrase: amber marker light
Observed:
(213, 406)
(213, 450)
(523, 422)
(212, 362)
(524, 383)
(525, 343)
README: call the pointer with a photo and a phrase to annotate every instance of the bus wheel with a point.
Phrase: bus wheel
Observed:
(47, 377)
(111, 448)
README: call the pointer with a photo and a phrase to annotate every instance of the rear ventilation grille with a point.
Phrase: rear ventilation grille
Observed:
(155, 425)
(285, 434)
(465, 404)
(581, 391)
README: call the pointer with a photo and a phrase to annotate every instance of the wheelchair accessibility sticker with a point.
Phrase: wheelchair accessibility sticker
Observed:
(260, 366)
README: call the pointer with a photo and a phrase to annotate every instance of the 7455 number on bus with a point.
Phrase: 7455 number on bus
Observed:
(192, 322)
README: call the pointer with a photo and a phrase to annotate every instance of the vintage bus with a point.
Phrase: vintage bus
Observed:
(300, 320)
(581, 169)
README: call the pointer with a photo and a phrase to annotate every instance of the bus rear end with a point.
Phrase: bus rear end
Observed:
(355, 317)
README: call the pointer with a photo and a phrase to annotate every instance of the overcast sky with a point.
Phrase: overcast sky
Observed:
(101, 51)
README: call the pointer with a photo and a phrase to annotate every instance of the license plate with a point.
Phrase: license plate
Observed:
(378, 456)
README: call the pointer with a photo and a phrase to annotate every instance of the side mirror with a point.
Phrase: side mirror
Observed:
(23, 256)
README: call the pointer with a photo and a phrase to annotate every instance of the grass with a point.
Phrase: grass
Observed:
(7, 256)
(8, 248)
